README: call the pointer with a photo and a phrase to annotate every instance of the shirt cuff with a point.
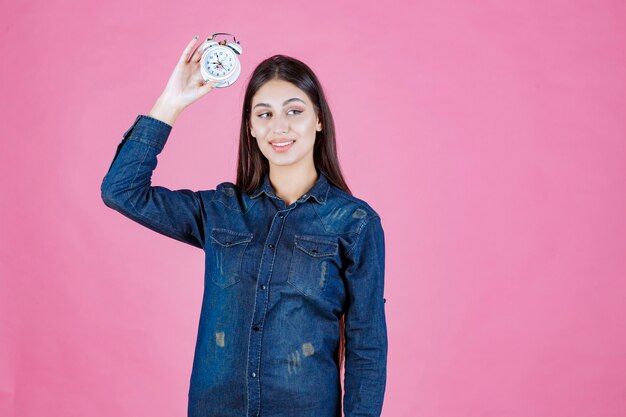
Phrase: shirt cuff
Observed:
(148, 130)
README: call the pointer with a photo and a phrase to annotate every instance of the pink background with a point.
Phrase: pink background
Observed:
(490, 136)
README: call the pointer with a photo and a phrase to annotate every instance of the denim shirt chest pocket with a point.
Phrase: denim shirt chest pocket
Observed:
(227, 248)
(313, 262)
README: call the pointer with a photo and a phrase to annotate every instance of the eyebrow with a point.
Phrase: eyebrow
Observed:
(284, 103)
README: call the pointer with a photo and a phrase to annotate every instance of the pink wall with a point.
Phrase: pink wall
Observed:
(494, 135)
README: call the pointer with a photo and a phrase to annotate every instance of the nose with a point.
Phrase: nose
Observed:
(281, 124)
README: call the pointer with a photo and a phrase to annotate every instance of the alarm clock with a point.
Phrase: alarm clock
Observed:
(220, 60)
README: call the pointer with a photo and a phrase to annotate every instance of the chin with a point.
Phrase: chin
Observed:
(282, 163)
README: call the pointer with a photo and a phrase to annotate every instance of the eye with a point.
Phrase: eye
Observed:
(262, 114)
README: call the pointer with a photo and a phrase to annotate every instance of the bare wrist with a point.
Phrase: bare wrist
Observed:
(165, 111)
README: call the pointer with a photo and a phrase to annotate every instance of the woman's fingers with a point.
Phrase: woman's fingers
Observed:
(198, 54)
(185, 56)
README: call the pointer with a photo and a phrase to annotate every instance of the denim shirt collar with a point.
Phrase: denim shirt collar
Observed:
(319, 191)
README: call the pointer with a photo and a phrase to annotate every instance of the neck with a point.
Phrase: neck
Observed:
(290, 183)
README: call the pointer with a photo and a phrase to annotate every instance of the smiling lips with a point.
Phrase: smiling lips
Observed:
(282, 146)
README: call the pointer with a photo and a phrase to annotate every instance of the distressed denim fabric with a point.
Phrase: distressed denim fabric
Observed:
(277, 279)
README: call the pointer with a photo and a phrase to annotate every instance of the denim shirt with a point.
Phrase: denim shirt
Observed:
(277, 279)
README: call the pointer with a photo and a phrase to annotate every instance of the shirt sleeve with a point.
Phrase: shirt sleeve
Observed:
(366, 330)
(126, 187)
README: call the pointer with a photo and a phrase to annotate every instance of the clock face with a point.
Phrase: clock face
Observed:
(219, 61)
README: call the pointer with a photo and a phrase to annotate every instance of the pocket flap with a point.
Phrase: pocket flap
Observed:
(230, 238)
(315, 246)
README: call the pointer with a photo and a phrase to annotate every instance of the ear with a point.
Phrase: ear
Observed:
(319, 125)
(251, 130)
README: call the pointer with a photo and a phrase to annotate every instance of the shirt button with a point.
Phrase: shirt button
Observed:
(253, 374)
(281, 215)
(263, 287)
(304, 195)
(256, 328)
(270, 246)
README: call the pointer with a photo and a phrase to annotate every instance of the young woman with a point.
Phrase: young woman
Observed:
(295, 264)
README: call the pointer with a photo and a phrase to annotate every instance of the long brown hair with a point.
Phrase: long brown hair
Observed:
(252, 164)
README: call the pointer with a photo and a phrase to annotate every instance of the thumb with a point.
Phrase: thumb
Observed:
(207, 87)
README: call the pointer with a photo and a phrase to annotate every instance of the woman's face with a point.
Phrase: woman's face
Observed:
(282, 113)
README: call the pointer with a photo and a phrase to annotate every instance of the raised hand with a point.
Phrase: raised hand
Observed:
(184, 86)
